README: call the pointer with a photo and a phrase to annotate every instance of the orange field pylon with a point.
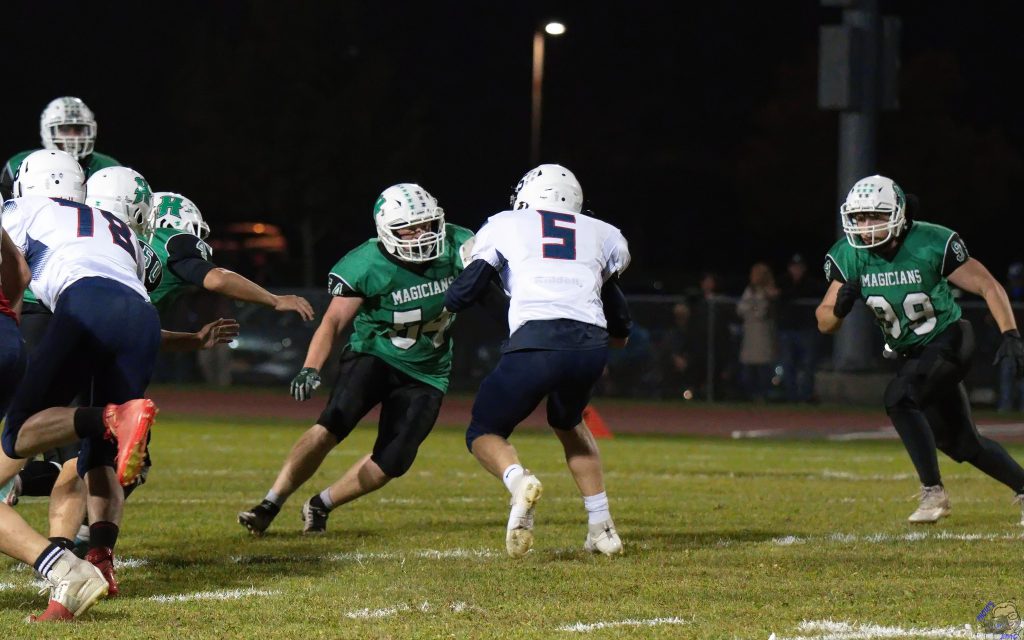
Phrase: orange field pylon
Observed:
(596, 423)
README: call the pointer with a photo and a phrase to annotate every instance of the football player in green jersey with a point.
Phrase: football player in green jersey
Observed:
(179, 240)
(902, 269)
(69, 125)
(399, 356)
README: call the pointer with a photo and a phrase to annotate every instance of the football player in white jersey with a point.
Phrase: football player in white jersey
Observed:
(31, 427)
(560, 268)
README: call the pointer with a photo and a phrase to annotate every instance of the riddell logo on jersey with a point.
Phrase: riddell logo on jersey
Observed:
(891, 278)
(424, 290)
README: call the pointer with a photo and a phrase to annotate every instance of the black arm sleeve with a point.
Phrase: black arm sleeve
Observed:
(186, 258)
(494, 300)
(616, 310)
(471, 284)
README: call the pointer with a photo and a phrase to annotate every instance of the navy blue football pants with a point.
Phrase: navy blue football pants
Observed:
(521, 380)
(102, 330)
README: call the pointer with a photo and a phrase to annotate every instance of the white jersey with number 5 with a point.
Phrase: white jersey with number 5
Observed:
(552, 263)
(65, 241)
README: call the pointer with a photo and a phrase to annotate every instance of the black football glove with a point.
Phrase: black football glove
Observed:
(304, 384)
(1013, 349)
(848, 294)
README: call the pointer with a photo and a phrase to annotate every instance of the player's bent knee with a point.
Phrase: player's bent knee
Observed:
(477, 429)
(394, 465)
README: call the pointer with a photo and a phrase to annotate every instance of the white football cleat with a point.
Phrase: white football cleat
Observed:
(519, 534)
(76, 585)
(602, 538)
(934, 505)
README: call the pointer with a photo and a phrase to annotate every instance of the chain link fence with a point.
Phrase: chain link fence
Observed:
(681, 348)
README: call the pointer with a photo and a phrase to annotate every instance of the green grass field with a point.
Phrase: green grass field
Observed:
(724, 539)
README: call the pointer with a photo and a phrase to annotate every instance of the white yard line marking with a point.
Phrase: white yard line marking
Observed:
(846, 475)
(387, 612)
(583, 627)
(7, 586)
(366, 556)
(232, 594)
(912, 536)
(130, 563)
(834, 630)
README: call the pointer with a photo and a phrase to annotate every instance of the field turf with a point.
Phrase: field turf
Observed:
(724, 539)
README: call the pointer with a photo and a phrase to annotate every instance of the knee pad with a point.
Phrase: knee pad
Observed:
(396, 459)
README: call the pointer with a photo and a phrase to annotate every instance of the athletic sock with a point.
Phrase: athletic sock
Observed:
(597, 508)
(89, 422)
(273, 502)
(47, 558)
(103, 534)
(511, 475)
(322, 500)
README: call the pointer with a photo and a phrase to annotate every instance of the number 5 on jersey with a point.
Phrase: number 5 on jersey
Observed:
(557, 226)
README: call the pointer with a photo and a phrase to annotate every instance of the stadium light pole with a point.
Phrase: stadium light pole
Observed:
(552, 28)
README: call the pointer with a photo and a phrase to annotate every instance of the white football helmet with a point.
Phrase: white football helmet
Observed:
(178, 212)
(124, 193)
(69, 125)
(549, 186)
(874, 194)
(407, 205)
(51, 174)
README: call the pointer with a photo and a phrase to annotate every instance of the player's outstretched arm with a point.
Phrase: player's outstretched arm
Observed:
(233, 285)
(220, 331)
(828, 320)
(338, 316)
(973, 277)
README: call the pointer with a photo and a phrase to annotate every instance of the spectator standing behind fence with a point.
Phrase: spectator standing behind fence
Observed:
(757, 348)
(712, 347)
(798, 331)
(1011, 389)
(676, 351)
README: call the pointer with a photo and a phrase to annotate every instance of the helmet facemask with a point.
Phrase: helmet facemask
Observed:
(175, 211)
(405, 207)
(875, 195)
(69, 125)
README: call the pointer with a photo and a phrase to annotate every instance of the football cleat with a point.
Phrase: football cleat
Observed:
(519, 534)
(314, 519)
(934, 505)
(75, 586)
(129, 425)
(103, 559)
(257, 519)
(602, 538)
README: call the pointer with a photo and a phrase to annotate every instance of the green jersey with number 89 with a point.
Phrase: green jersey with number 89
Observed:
(908, 293)
(402, 319)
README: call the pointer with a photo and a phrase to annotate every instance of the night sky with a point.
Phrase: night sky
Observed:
(694, 130)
